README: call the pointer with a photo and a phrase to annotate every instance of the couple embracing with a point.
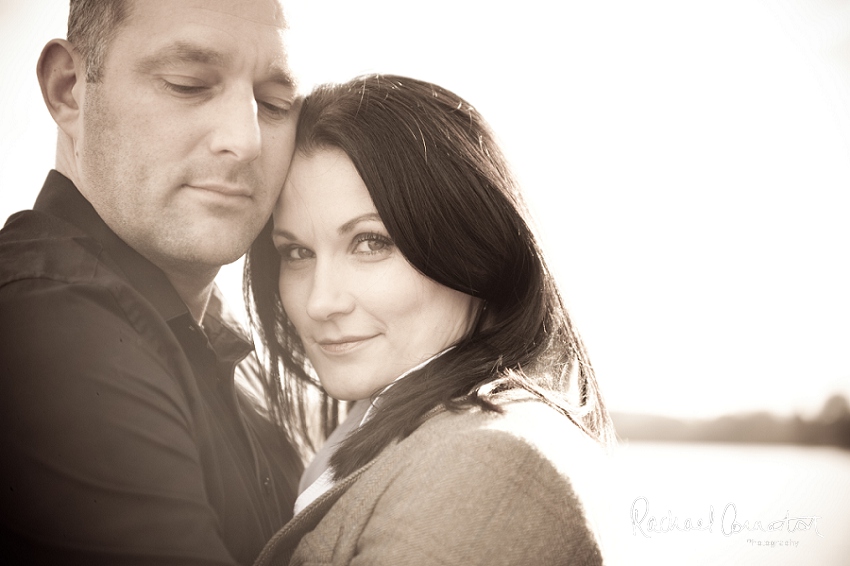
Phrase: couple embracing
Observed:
(410, 328)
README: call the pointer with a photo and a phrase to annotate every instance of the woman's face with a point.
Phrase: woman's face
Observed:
(364, 314)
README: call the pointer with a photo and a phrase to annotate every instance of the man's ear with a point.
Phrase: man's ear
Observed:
(61, 75)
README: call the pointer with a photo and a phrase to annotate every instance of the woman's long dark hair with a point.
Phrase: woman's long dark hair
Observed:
(449, 202)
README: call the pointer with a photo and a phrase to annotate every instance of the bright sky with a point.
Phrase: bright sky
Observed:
(688, 163)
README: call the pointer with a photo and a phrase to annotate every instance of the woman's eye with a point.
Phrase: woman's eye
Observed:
(372, 244)
(295, 253)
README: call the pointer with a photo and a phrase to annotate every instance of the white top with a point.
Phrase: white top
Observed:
(360, 413)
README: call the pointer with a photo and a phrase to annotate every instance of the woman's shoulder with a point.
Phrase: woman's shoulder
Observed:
(528, 439)
(521, 418)
(509, 477)
(526, 432)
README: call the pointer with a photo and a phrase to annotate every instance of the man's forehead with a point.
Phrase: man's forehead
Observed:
(259, 12)
(167, 33)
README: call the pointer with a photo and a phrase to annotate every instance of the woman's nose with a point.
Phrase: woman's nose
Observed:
(329, 295)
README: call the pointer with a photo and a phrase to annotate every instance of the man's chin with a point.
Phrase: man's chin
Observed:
(198, 262)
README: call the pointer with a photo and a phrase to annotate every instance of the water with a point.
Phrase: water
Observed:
(755, 505)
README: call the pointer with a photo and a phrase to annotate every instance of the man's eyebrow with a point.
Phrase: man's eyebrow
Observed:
(184, 52)
(181, 52)
(279, 74)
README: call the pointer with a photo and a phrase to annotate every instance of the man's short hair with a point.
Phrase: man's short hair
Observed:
(91, 26)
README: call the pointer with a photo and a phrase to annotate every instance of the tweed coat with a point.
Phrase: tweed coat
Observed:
(465, 488)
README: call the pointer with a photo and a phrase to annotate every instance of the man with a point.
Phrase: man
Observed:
(124, 438)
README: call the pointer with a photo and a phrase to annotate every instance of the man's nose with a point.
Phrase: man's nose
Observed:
(237, 128)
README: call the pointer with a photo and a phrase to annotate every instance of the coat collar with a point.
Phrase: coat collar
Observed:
(280, 548)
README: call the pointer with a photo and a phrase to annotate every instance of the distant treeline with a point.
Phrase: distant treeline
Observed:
(831, 427)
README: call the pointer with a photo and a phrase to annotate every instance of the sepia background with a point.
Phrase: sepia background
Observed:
(689, 167)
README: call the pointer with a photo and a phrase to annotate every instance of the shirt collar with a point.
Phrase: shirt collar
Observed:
(60, 198)
(376, 397)
(361, 412)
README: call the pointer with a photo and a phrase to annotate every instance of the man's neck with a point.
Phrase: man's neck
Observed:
(195, 292)
(193, 286)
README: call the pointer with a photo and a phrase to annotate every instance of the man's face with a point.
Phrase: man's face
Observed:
(187, 139)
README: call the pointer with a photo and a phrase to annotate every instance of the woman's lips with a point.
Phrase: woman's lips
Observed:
(342, 345)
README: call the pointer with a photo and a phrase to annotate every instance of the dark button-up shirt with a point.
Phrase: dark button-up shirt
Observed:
(123, 436)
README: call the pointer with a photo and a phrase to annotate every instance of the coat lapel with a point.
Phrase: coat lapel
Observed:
(279, 550)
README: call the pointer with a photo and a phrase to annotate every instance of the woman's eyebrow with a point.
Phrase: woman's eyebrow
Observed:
(348, 226)
(283, 234)
(342, 230)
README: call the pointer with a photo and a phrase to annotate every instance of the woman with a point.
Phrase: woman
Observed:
(401, 269)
